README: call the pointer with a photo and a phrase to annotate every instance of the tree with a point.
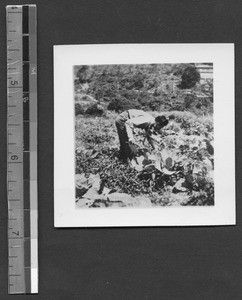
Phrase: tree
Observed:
(189, 78)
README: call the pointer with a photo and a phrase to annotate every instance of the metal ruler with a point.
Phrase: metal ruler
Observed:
(22, 149)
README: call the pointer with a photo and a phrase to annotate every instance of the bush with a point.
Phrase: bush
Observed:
(207, 88)
(79, 109)
(121, 104)
(147, 100)
(198, 105)
(103, 90)
(131, 95)
(83, 74)
(188, 100)
(94, 109)
(190, 77)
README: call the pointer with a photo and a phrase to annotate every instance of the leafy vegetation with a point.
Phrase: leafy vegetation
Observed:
(151, 87)
(121, 103)
(179, 171)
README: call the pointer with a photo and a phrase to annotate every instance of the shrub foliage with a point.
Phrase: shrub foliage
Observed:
(189, 78)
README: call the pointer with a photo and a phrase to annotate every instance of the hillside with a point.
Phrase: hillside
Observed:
(150, 87)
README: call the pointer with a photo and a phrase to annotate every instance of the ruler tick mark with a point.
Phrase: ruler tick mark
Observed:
(14, 87)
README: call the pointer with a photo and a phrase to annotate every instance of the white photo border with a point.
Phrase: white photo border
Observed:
(66, 57)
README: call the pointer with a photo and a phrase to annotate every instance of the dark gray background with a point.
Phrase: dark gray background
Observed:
(129, 263)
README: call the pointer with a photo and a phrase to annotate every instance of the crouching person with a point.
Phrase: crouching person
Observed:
(133, 118)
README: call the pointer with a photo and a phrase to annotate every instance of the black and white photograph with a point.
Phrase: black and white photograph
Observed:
(144, 135)
(121, 167)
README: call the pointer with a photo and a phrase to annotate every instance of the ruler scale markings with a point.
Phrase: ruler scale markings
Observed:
(21, 48)
(15, 221)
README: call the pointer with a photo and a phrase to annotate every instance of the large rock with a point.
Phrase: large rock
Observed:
(84, 203)
(83, 184)
(94, 181)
